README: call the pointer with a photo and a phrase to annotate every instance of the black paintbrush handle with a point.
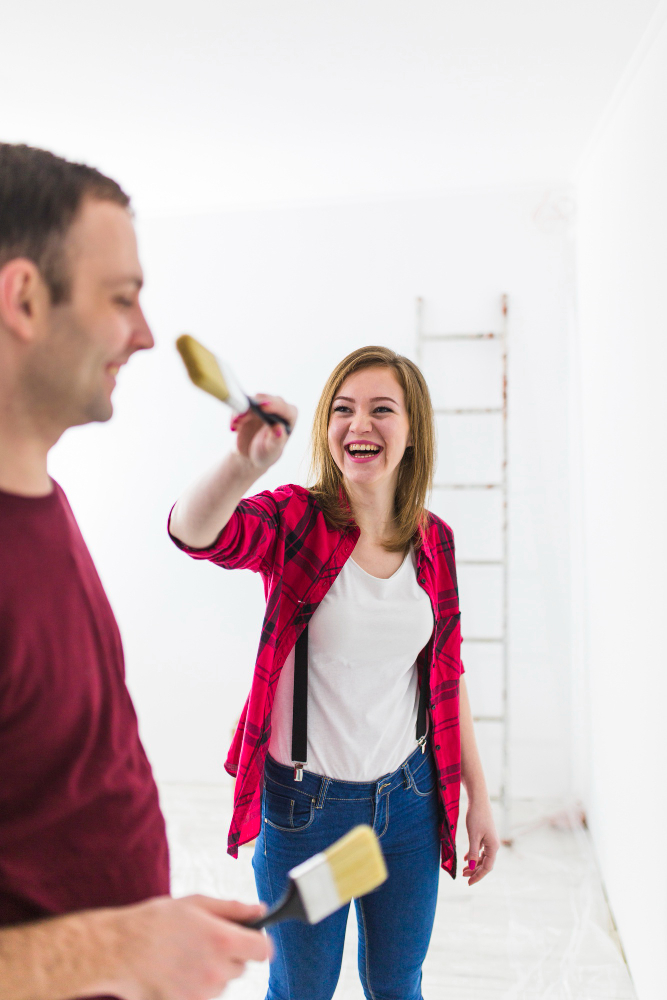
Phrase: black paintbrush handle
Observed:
(268, 418)
(289, 907)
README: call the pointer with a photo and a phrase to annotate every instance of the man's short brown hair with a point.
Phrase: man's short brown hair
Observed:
(40, 194)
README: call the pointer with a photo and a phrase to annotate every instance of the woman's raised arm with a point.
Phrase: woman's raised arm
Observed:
(205, 508)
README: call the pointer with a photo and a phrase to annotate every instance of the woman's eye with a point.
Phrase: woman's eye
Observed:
(341, 409)
(125, 303)
(383, 409)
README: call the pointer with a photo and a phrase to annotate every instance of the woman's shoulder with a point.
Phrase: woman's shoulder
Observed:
(290, 493)
(436, 529)
(289, 497)
(438, 543)
(291, 508)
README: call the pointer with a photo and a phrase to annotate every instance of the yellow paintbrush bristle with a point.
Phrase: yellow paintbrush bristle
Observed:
(202, 367)
(356, 863)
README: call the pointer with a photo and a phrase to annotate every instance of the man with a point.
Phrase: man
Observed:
(82, 839)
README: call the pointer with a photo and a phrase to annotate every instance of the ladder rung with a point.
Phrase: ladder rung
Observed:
(480, 562)
(460, 336)
(465, 410)
(470, 638)
(468, 486)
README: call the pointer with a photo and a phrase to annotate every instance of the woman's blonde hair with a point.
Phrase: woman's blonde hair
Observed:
(415, 472)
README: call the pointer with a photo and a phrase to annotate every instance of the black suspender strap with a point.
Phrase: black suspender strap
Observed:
(424, 698)
(300, 701)
(300, 706)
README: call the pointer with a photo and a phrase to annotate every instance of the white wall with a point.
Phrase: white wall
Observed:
(622, 373)
(283, 295)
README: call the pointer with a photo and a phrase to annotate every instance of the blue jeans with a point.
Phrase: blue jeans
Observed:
(395, 922)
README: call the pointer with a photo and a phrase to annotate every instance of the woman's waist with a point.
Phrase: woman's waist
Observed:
(313, 784)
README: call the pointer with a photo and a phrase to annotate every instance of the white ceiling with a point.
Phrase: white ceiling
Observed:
(212, 103)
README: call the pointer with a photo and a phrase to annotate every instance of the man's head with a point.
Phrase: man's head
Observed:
(69, 287)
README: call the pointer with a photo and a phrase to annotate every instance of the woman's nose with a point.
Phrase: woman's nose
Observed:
(360, 423)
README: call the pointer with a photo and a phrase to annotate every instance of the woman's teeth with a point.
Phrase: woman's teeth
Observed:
(363, 449)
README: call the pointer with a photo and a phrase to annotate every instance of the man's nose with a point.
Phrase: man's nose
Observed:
(142, 337)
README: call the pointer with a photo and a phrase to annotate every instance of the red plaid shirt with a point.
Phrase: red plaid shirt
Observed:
(283, 536)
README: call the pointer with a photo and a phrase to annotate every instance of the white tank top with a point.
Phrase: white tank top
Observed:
(363, 689)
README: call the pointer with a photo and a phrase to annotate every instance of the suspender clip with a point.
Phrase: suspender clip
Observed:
(421, 742)
(298, 772)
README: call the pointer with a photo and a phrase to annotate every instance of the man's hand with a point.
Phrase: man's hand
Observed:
(163, 949)
(185, 949)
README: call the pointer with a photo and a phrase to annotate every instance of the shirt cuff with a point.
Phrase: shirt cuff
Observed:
(217, 547)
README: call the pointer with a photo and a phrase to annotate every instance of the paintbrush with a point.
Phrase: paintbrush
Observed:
(350, 868)
(217, 378)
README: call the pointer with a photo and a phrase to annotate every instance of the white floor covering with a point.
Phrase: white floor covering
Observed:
(539, 927)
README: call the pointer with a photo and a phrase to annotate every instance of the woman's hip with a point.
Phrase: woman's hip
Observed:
(300, 818)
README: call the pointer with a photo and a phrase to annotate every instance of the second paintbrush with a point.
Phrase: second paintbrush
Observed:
(353, 866)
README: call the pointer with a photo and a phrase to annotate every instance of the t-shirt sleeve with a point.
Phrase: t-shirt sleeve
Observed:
(249, 538)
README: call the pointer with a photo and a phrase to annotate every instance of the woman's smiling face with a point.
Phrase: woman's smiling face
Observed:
(369, 428)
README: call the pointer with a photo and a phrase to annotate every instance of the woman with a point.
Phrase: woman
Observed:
(360, 563)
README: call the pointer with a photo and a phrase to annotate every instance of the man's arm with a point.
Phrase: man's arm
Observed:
(163, 949)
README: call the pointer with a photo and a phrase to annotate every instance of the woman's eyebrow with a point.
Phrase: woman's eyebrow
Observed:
(374, 399)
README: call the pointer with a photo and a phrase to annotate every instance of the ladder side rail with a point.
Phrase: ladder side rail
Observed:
(503, 718)
(505, 774)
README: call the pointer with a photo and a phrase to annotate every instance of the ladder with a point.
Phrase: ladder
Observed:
(499, 484)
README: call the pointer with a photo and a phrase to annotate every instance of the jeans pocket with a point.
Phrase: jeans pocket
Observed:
(423, 778)
(289, 814)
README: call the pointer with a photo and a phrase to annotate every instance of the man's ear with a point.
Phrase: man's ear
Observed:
(24, 298)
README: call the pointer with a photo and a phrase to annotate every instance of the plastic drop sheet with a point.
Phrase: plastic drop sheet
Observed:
(537, 928)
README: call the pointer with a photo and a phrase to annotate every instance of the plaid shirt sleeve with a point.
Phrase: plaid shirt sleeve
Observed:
(249, 538)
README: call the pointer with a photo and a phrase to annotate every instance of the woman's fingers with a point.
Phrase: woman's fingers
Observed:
(263, 443)
(267, 445)
(483, 855)
(481, 871)
(240, 418)
(277, 405)
(472, 857)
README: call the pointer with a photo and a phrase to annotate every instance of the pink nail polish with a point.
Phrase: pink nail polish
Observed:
(471, 865)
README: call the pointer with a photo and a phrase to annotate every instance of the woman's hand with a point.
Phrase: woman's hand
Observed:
(483, 841)
(261, 443)
(202, 512)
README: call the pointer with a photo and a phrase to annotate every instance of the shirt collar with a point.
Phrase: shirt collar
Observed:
(425, 546)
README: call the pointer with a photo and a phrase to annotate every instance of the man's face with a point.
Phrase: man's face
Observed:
(72, 370)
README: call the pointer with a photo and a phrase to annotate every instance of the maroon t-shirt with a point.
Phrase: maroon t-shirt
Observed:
(80, 821)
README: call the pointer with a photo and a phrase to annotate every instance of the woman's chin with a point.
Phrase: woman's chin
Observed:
(364, 475)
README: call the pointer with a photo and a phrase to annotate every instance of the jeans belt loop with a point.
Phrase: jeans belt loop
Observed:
(319, 804)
